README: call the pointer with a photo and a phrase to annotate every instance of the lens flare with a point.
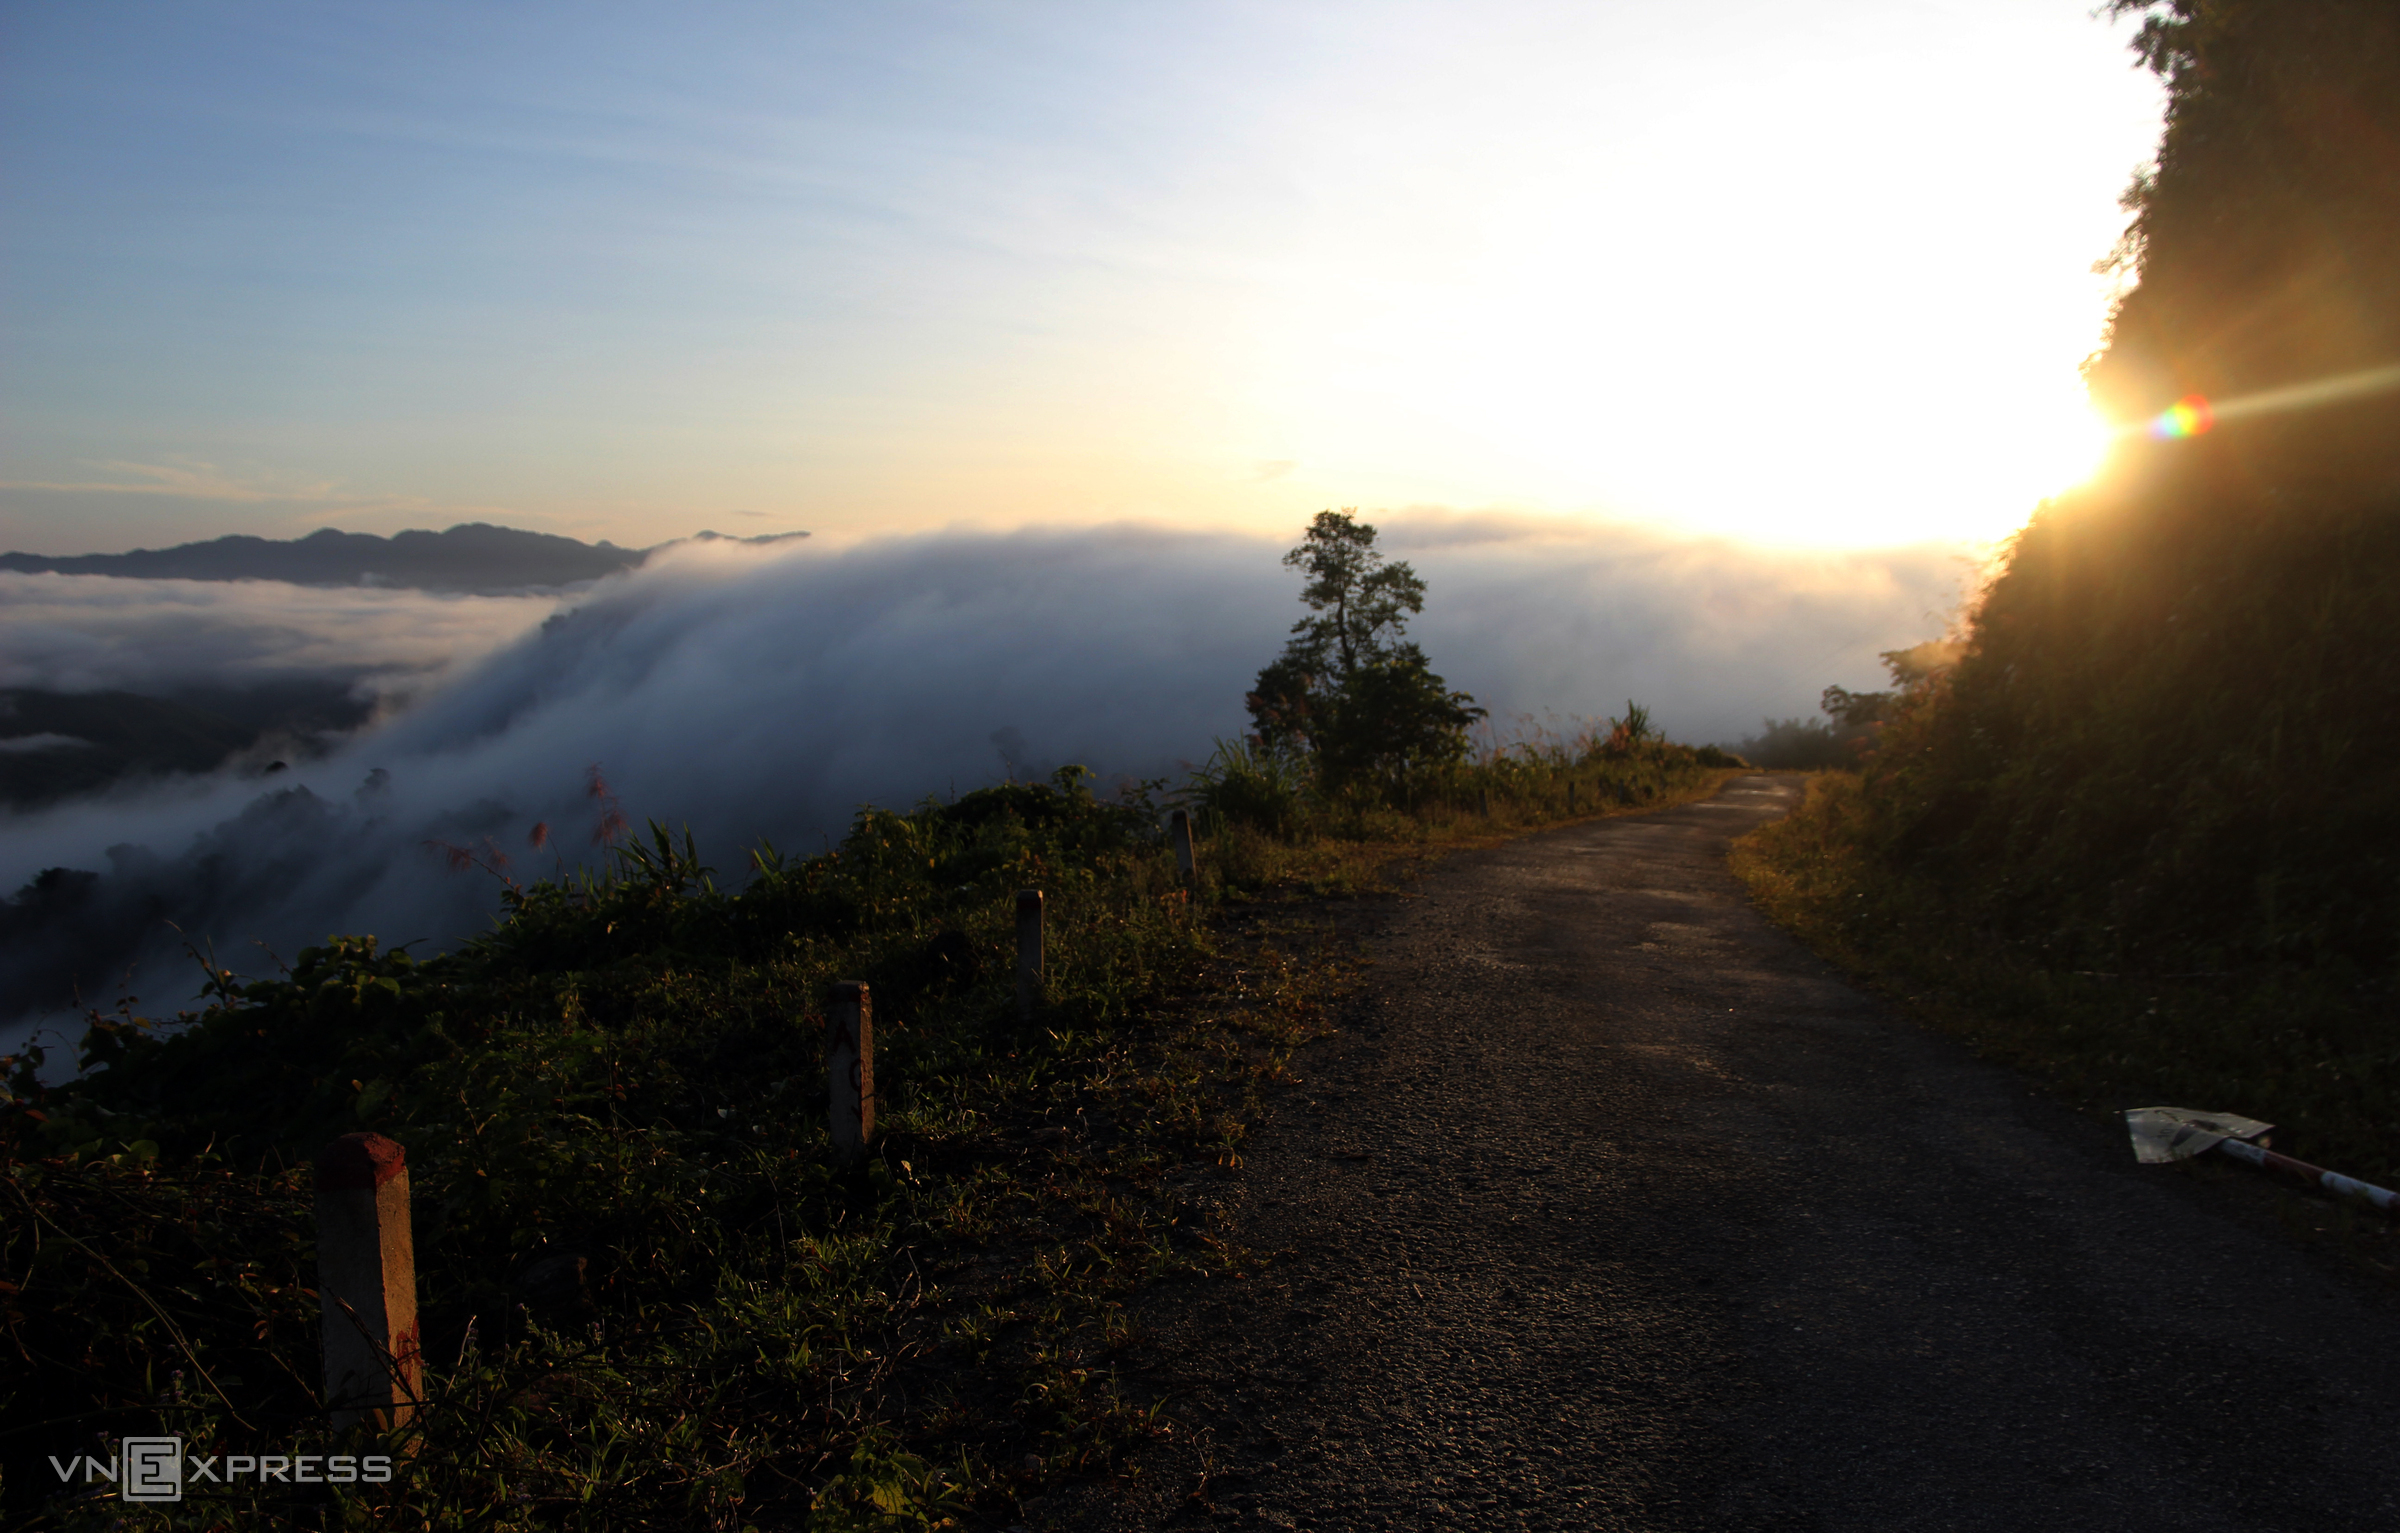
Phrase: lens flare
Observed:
(2188, 416)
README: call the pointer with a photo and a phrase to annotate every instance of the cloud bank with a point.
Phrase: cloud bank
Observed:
(767, 693)
(96, 633)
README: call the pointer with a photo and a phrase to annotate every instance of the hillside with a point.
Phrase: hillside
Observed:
(630, 1227)
(2149, 821)
(57, 745)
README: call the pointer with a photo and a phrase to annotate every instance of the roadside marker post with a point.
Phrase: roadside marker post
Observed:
(1570, 795)
(1179, 831)
(367, 1283)
(1029, 951)
(850, 1070)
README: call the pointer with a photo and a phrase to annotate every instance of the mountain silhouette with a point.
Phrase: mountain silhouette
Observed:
(474, 556)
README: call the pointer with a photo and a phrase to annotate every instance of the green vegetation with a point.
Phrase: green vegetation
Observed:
(1356, 740)
(650, 1298)
(2144, 834)
(629, 1072)
(1852, 719)
(1273, 826)
(1350, 701)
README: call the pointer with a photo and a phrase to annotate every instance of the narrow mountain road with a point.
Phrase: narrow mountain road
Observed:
(1613, 1208)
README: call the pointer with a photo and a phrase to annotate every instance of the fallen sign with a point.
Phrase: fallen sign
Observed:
(2163, 1134)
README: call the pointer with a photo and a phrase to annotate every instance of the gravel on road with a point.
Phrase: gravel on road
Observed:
(1611, 1207)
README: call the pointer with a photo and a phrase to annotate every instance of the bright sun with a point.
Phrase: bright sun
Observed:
(1844, 459)
(1808, 394)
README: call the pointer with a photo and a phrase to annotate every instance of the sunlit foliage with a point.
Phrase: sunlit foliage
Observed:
(2166, 755)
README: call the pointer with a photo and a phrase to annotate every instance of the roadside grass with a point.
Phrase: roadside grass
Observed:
(1264, 831)
(2312, 1050)
(649, 1298)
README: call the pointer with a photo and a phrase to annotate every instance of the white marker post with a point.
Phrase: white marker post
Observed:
(1179, 832)
(1029, 951)
(850, 1071)
(367, 1283)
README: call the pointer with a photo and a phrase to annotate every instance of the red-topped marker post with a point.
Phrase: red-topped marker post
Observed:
(367, 1283)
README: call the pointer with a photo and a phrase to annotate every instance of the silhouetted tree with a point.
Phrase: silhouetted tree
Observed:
(1356, 595)
(1348, 689)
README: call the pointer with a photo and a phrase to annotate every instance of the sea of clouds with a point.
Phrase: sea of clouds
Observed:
(766, 693)
(98, 633)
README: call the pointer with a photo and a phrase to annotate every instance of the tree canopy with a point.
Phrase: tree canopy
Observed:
(1358, 597)
(1349, 690)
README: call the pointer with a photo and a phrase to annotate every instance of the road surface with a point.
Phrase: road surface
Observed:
(1613, 1208)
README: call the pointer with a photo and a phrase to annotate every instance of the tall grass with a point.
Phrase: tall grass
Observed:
(1266, 821)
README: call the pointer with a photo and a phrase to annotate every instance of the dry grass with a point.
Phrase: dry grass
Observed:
(1376, 850)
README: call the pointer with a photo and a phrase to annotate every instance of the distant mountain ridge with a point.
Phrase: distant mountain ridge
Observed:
(473, 556)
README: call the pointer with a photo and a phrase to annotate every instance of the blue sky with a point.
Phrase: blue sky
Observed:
(1798, 274)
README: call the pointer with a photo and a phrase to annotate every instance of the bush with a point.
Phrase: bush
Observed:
(1245, 782)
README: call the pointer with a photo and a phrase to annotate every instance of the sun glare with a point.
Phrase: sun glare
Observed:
(1671, 435)
(2188, 416)
(2067, 448)
(1587, 328)
(1810, 406)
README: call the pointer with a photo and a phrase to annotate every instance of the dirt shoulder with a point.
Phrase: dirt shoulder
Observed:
(1611, 1207)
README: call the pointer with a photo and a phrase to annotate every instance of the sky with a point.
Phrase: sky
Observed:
(1801, 276)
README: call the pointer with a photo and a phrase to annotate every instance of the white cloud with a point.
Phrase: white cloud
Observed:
(768, 692)
(93, 633)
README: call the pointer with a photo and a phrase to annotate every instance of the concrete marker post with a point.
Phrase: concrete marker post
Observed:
(1179, 831)
(850, 1070)
(367, 1283)
(1029, 951)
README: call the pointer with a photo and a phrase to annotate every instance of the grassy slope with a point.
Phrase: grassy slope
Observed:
(2283, 1045)
(630, 1073)
(2145, 837)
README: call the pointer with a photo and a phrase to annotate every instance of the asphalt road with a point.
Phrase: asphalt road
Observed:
(1613, 1208)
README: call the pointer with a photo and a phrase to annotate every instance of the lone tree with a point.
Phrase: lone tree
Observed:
(1348, 690)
